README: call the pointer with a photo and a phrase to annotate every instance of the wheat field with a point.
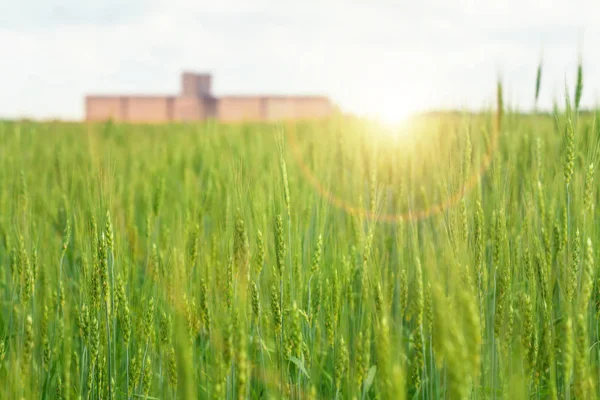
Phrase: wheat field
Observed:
(308, 260)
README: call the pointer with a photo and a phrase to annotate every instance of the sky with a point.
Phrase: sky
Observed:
(378, 58)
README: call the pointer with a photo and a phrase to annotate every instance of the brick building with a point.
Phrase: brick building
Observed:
(196, 102)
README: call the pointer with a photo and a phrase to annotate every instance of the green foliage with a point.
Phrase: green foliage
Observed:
(454, 261)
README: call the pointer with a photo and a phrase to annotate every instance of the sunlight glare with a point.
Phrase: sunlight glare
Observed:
(393, 115)
(395, 122)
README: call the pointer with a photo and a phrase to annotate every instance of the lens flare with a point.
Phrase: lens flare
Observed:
(417, 214)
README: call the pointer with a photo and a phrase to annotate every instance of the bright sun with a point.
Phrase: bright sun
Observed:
(393, 116)
(391, 112)
(394, 119)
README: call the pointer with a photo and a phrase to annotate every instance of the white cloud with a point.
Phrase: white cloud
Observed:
(373, 57)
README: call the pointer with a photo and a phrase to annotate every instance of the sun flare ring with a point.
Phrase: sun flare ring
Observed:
(418, 214)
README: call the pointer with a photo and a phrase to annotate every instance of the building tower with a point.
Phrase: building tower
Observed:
(196, 85)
